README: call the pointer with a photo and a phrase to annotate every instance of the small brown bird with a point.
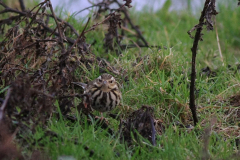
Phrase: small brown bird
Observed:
(104, 93)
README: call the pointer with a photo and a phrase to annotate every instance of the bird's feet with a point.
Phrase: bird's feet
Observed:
(102, 119)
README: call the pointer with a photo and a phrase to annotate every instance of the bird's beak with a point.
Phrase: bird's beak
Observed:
(104, 82)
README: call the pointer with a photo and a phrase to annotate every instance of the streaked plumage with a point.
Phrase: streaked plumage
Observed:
(104, 92)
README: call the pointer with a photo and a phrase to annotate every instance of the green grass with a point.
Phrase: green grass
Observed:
(149, 84)
(173, 144)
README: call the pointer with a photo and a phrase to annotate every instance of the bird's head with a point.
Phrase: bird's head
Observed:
(106, 82)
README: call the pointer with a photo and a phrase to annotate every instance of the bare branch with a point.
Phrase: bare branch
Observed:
(207, 13)
(22, 5)
(58, 26)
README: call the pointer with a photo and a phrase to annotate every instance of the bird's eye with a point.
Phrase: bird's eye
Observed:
(99, 80)
(111, 81)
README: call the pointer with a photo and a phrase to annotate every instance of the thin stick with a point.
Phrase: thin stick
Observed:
(132, 25)
(79, 37)
(23, 8)
(218, 42)
(58, 26)
(66, 23)
(194, 53)
(95, 5)
(153, 129)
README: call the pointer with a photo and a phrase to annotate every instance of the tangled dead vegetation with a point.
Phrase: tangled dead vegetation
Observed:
(142, 122)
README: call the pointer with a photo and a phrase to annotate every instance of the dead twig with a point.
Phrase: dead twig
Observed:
(218, 42)
(79, 37)
(205, 19)
(95, 5)
(132, 25)
(206, 139)
(58, 26)
(22, 5)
